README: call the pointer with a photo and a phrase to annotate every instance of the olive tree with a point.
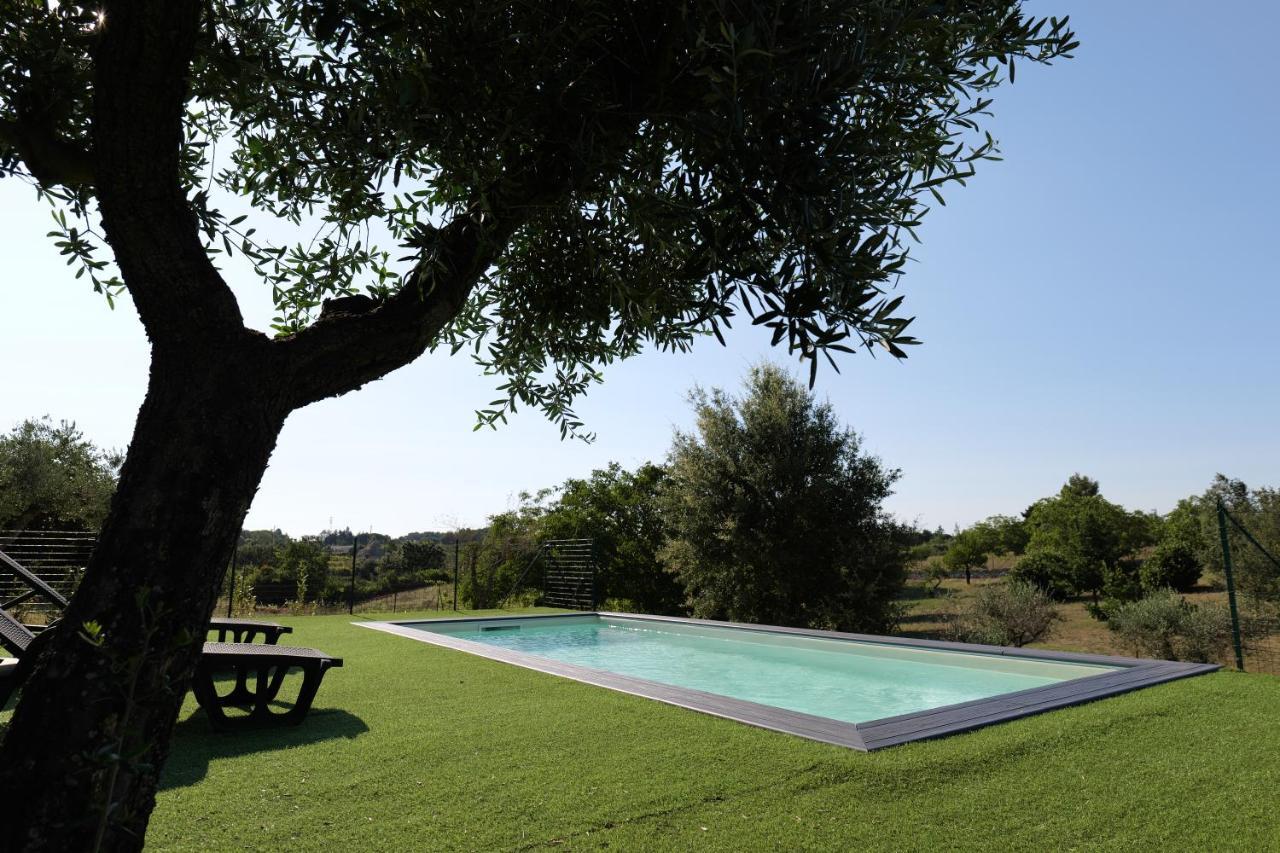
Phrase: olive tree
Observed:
(52, 477)
(775, 514)
(550, 186)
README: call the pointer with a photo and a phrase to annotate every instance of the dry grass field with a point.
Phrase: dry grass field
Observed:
(1077, 631)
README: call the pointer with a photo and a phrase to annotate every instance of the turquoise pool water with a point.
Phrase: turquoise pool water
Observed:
(841, 679)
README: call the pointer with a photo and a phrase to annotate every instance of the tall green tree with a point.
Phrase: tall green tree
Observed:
(561, 184)
(1193, 526)
(1078, 539)
(775, 513)
(619, 510)
(970, 548)
(52, 478)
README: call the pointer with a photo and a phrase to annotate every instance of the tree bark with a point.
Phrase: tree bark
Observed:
(87, 741)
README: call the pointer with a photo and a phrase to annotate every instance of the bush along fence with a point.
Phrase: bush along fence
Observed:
(305, 577)
(1252, 575)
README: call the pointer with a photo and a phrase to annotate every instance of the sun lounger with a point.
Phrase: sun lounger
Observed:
(229, 630)
(35, 585)
(15, 638)
(268, 664)
(247, 630)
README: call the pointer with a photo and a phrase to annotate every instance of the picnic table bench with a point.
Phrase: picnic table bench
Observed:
(268, 664)
(247, 630)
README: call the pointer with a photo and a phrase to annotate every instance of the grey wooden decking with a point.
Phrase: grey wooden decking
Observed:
(1132, 674)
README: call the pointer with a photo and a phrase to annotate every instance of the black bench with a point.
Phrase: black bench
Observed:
(268, 665)
(247, 630)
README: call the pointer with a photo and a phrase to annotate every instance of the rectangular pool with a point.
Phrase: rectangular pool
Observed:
(858, 691)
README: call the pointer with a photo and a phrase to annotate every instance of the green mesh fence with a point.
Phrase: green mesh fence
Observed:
(1252, 574)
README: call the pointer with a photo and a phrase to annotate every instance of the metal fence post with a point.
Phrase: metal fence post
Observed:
(351, 591)
(595, 590)
(1231, 585)
(456, 546)
(231, 593)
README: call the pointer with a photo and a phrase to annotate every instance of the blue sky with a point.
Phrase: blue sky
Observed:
(1104, 300)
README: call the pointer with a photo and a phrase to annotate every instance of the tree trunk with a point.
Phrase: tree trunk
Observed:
(80, 761)
(201, 445)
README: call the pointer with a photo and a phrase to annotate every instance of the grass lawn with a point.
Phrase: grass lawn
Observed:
(412, 746)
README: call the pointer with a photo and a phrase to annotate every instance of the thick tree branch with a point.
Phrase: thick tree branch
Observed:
(342, 351)
(50, 159)
(142, 65)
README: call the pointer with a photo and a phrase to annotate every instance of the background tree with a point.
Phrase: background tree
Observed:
(565, 183)
(296, 572)
(620, 511)
(422, 556)
(258, 546)
(775, 513)
(1193, 526)
(1011, 532)
(924, 543)
(52, 478)
(1172, 564)
(408, 564)
(974, 546)
(1081, 539)
(970, 548)
(495, 564)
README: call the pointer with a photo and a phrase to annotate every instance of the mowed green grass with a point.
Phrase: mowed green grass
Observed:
(411, 746)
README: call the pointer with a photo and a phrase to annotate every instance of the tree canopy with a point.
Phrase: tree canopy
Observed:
(775, 512)
(619, 510)
(970, 548)
(641, 172)
(1080, 542)
(1193, 525)
(52, 478)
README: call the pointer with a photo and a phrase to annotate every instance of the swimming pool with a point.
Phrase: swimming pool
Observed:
(859, 691)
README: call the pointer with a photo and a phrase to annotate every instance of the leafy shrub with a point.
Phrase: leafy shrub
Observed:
(620, 605)
(920, 552)
(935, 573)
(1173, 565)
(522, 598)
(1165, 625)
(1009, 614)
(1048, 571)
(1151, 626)
(242, 601)
(298, 572)
(1122, 582)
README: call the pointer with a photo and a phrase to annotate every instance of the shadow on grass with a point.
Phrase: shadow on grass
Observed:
(195, 744)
